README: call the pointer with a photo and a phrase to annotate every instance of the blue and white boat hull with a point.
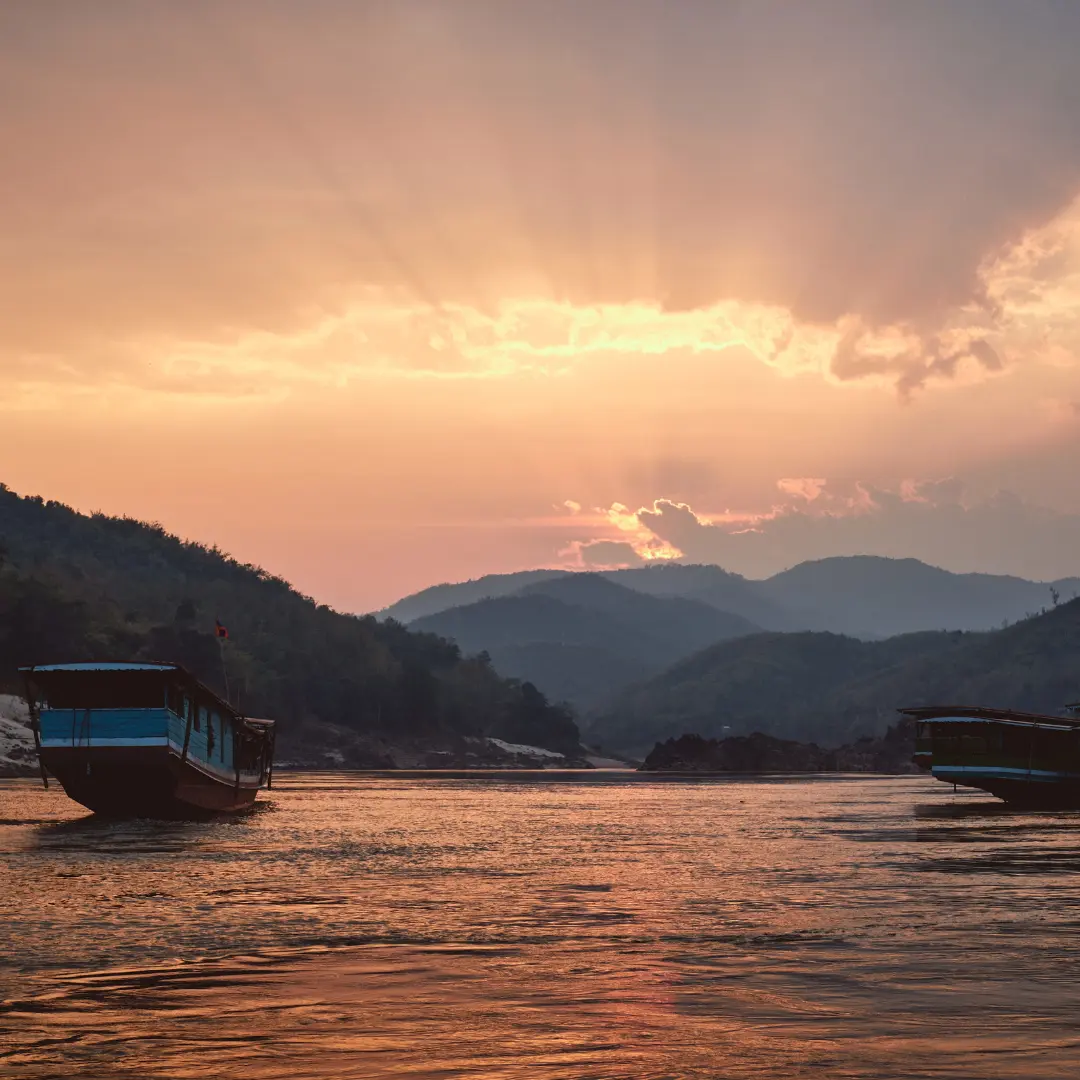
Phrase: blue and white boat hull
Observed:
(189, 754)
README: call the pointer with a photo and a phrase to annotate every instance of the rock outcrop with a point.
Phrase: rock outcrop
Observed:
(758, 753)
(17, 754)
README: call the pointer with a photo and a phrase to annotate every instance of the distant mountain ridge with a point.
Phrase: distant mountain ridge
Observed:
(436, 598)
(862, 595)
(585, 637)
(867, 596)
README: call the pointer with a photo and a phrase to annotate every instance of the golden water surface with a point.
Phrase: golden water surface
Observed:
(541, 925)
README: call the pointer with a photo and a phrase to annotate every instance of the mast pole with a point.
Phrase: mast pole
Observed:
(224, 669)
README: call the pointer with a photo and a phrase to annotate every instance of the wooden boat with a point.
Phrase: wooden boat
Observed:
(1030, 759)
(145, 740)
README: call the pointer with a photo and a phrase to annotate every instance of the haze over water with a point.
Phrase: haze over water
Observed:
(538, 925)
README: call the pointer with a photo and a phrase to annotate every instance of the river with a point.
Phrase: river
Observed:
(541, 925)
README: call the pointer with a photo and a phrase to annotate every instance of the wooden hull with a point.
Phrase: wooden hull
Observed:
(1053, 795)
(1039, 790)
(143, 781)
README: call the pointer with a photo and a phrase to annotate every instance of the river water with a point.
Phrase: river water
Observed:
(541, 925)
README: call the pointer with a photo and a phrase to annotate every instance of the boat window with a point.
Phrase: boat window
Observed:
(102, 689)
(200, 717)
(217, 722)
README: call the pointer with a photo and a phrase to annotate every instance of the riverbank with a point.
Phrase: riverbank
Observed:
(344, 749)
(336, 748)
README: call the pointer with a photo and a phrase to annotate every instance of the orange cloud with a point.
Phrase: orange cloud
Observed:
(238, 220)
(804, 487)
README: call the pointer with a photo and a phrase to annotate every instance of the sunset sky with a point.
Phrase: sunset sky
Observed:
(385, 294)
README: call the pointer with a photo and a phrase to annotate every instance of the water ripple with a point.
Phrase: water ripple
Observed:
(539, 925)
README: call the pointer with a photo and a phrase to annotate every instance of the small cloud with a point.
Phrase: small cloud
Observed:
(802, 487)
(571, 505)
(948, 491)
(600, 555)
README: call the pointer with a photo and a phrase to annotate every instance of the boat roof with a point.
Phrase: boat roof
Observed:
(99, 666)
(979, 712)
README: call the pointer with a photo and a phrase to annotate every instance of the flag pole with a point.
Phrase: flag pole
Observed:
(221, 651)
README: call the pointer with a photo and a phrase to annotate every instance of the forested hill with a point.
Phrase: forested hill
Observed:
(78, 587)
(831, 689)
(580, 637)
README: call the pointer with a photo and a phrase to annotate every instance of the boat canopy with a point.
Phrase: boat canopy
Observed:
(973, 713)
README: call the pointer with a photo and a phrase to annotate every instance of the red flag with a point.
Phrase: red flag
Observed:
(219, 630)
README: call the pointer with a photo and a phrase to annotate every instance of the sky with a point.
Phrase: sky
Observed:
(384, 294)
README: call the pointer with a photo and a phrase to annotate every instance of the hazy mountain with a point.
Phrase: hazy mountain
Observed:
(865, 596)
(584, 675)
(580, 637)
(711, 585)
(830, 688)
(868, 596)
(442, 597)
(671, 622)
(78, 587)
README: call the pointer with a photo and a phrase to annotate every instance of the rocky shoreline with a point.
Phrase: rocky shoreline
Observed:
(17, 754)
(758, 753)
(466, 753)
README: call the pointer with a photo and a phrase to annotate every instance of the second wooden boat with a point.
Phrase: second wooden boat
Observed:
(1030, 759)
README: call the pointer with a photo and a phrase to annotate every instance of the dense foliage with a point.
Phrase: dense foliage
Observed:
(76, 587)
(831, 689)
